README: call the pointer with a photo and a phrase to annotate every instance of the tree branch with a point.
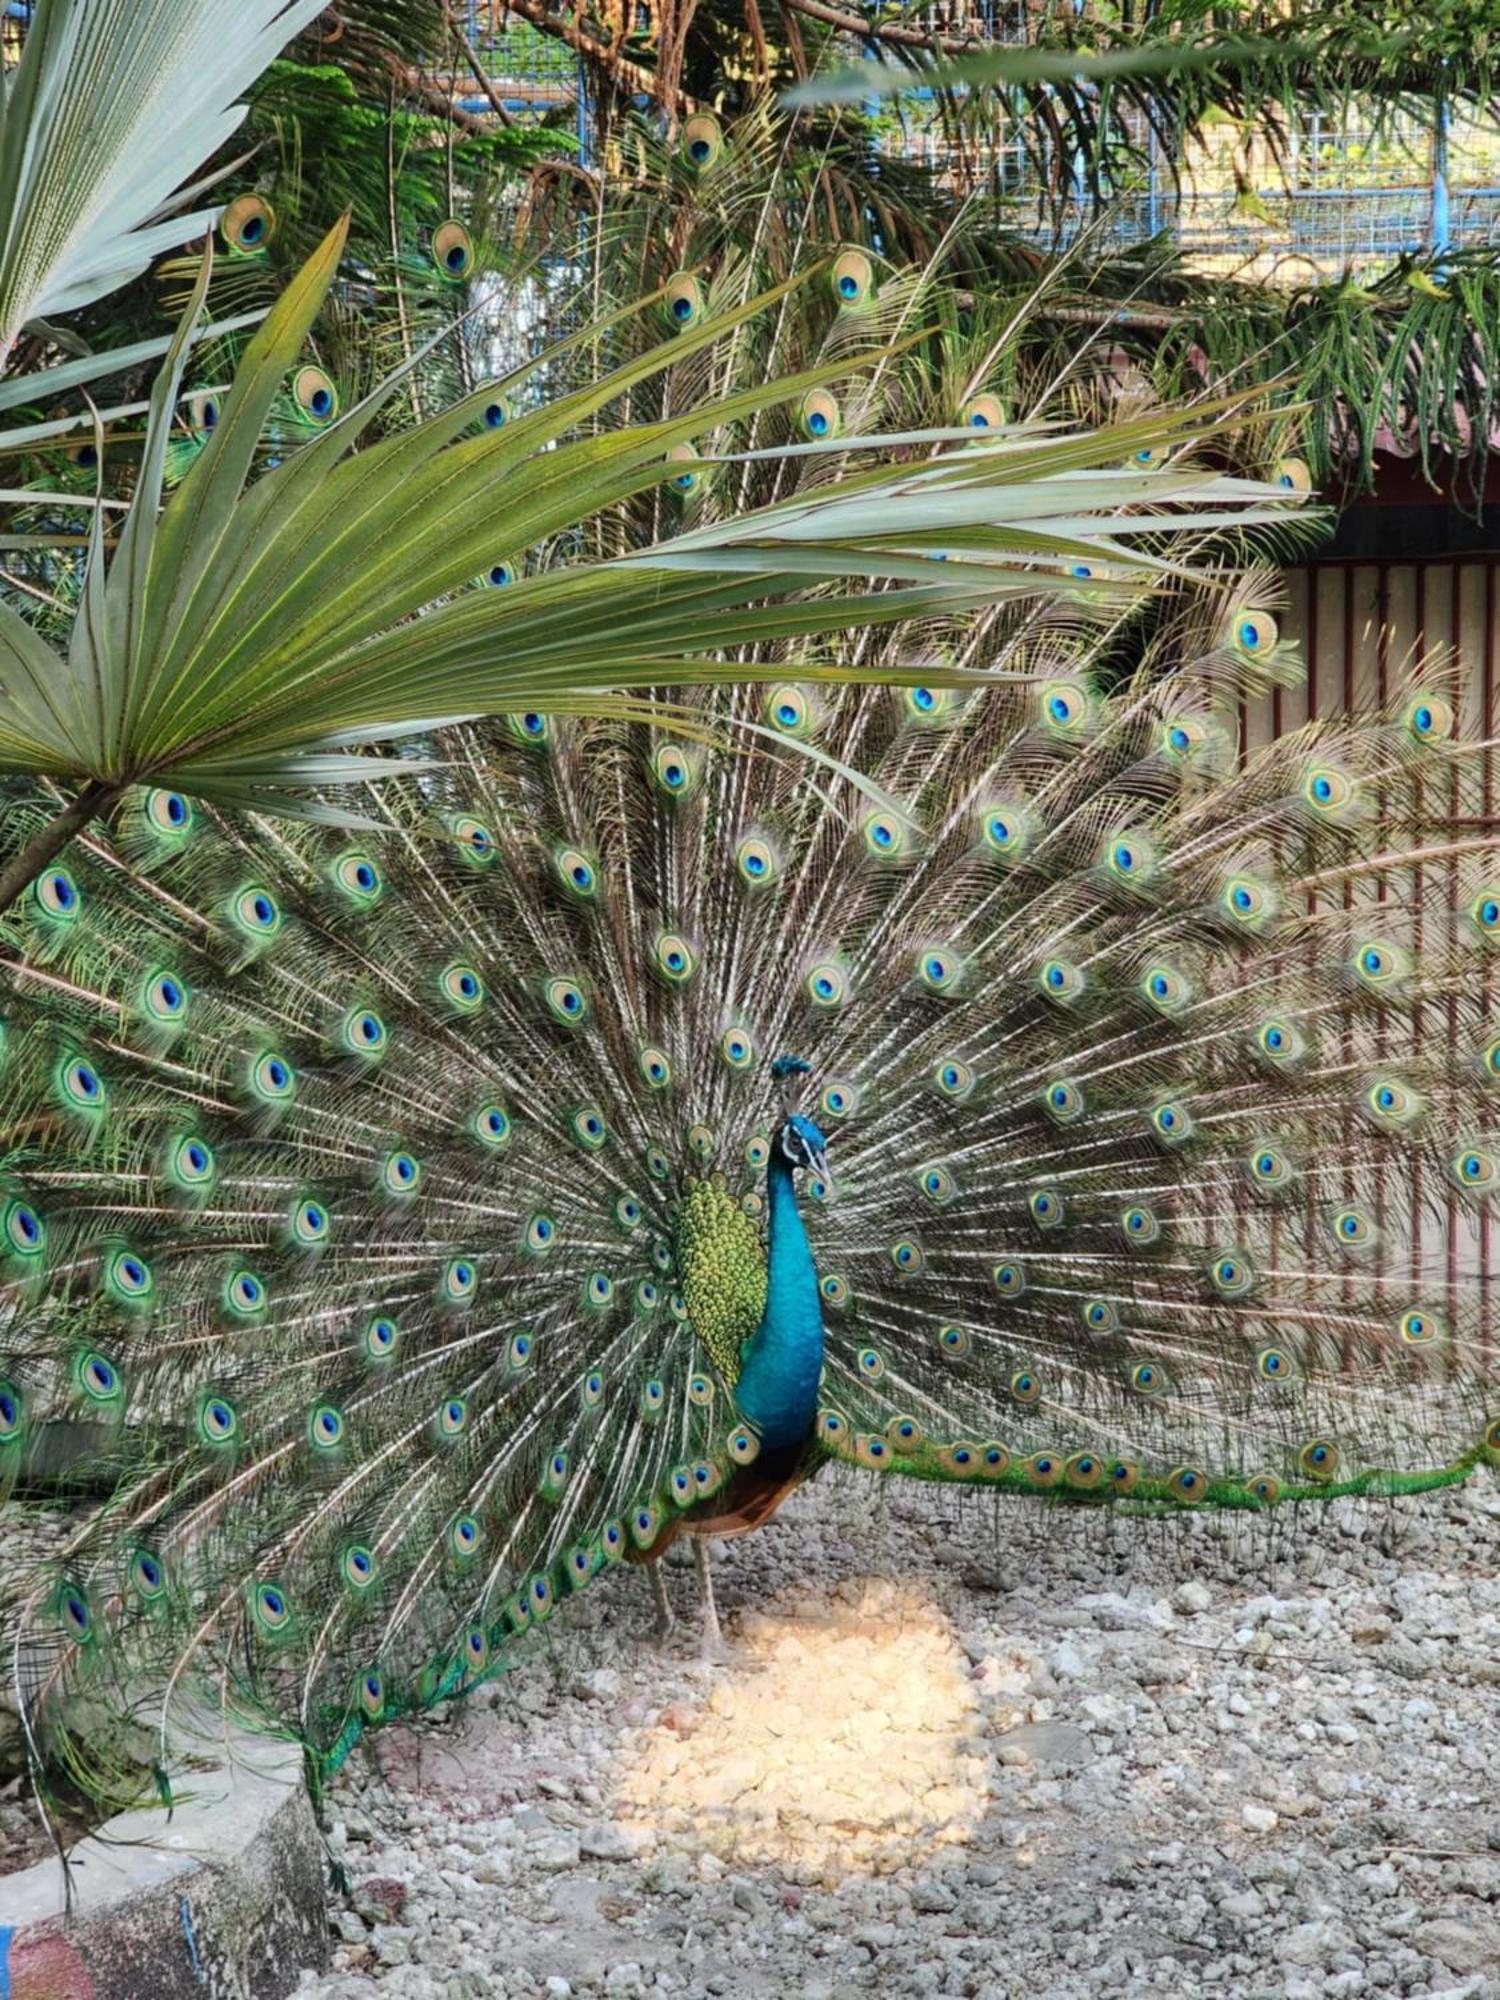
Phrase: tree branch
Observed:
(50, 840)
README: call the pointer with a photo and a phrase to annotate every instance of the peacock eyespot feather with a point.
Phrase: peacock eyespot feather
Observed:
(599, 1291)
(1353, 1229)
(566, 1001)
(326, 1427)
(1265, 1488)
(1010, 1280)
(834, 1290)
(907, 1257)
(1328, 791)
(788, 710)
(700, 1391)
(1121, 1476)
(541, 1235)
(1139, 1226)
(885, 837)
(757, 1152)
(954, 1342)
(853, 278)
(1484, 913)
(1063, 1101)
(578, 874)
(1280, 1043)
(1043, 1469)
(591, 1390)
(832, 1426)
(1046, 1208)
(1253, 634)
(737, 1049)
(1429, 719)
(646, 1298)
(674, 770)
(74, 1615)
(1269, 1167)
(452, 1418)
(1085, 1470)
(57, 896)
(25, 1231)
(1060, 981)
(1007, 829)
(529, 726)
(1171, 1123)
(757, 861)
(983, 413)
(937, 1184)
(190, 1162)
(683, 303)
(1148, 1378)
(629, 1212)
(164, 998)
(555, 1475)
(247, 225)
(491, 1127)
(961, 1461)
(357, 876)
(464, 1537)
(273, 1609)
(1232, 1274)
(587, 1128)
(363, 1033)
(653, 1397)
(819, 417)
(953, 1079)
(826, 984)
(497, 413)
(272, 1078)
(147, 1576)
(1248, 902)
(519, 1352)
(1419, 1328)
(1182, 738)
(462, 988)
(939, 969)
(460, 1280)
(168, 815)
(129, 1278)
(1130, 860)
(473, 839)
(358, 1568)
(500, 575)
(1274, 1364)
(1292, 475)
(1474, 1169)
(1026, 1387)
(97, 1377)
(871, 1451)
(309, 1224)
(644, 1525)
(80, 1087)
(927, 706)
(702, 141)
(674, 958)
(400, 1174)
(12, 1413)
(1380, 968)
(245, 1295)
(1100, 1316)
(1188, 1485)
(1065, 709)
(379, 1338)
(218, 1421)
(1319, 1460)
(453, 250)
(315, 395)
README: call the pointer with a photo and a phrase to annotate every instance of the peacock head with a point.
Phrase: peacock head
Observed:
(802, 1145)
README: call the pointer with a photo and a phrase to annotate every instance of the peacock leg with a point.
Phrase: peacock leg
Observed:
(662, 1628)
(711, 1645)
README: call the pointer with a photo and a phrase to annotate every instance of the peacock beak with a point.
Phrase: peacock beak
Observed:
(819, 1163)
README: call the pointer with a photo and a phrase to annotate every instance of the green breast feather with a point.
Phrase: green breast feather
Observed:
(722, 1265)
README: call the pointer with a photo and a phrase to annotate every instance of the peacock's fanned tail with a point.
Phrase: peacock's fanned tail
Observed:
(381, 1210)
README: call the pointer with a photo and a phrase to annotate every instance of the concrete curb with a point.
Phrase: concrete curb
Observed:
(224, 1901)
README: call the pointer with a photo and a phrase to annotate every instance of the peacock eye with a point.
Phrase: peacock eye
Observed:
(57, 895)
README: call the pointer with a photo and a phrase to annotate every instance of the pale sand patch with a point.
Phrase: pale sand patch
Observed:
(843, 1738)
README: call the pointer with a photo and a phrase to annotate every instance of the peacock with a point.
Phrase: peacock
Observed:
(411, 1222)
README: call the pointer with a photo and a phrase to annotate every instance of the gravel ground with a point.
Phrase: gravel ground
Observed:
(962, 1751)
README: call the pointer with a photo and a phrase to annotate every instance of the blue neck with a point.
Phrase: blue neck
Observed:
(778, 1386)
